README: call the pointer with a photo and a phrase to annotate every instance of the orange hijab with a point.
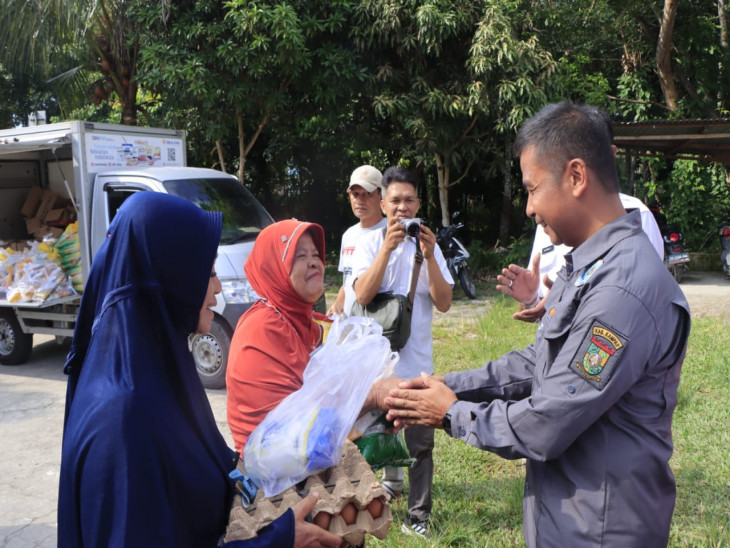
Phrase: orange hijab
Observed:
(271, 346)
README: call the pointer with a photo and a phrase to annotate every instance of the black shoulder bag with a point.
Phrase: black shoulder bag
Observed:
(393, 311)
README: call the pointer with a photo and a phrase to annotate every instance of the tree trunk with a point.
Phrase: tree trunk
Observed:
(504, 221)
(725, 44)
(127, 98)
(664, 54)
(221, 159)
(442, 168)
(241, 146)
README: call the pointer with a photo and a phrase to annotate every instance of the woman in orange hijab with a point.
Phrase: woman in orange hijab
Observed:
(274, 338)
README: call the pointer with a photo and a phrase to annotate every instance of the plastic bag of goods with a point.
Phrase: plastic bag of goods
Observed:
(305, 432)
(37, 276)
(69, 251)
(379, 446)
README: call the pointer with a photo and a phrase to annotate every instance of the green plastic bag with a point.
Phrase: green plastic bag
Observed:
(379, 447)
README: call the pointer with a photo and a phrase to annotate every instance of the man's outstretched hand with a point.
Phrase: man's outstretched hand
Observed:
(422, 400)
(519, 283)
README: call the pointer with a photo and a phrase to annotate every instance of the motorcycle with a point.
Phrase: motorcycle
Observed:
(675, 256)
(456, 255)
(725, 254)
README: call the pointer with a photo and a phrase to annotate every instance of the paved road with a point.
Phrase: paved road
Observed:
(31, 419)
(32, 400)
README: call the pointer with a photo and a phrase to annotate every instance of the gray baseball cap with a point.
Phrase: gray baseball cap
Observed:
(366, 177)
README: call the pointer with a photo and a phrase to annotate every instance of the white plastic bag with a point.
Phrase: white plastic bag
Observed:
(305, 432)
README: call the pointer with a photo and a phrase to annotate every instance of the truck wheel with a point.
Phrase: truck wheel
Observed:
(210, 352)
(15, 346)
(467, 283)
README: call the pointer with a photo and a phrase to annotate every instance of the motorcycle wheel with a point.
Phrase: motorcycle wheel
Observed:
(677, 270)
(467, 283)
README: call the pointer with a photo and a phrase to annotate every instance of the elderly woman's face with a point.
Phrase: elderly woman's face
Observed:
(307, 272)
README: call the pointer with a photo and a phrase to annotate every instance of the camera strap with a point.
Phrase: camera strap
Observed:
(418, 259)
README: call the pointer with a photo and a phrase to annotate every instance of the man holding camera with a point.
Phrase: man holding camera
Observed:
(383, 262)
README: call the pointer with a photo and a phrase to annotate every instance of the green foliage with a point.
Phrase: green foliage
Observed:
(696, 197)
(633, 87)
(439, 85)
(264, 60)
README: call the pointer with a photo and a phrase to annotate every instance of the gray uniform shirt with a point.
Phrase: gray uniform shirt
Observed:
(590, 403)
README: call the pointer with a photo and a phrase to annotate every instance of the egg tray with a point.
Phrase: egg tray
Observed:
(351, 481)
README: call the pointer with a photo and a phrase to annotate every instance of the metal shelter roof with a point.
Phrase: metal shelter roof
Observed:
(706, 140)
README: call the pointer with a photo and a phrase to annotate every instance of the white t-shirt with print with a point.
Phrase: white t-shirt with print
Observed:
(347, 251)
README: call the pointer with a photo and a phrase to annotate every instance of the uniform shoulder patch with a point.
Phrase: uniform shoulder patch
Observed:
(598, 354)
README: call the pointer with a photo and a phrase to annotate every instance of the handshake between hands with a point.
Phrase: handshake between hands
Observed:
(422, 400)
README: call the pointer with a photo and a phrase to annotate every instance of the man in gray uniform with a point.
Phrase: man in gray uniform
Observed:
(590, 403)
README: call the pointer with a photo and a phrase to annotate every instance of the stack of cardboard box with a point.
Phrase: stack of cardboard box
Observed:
(46, 212)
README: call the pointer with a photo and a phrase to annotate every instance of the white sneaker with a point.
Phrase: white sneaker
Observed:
(417, 528)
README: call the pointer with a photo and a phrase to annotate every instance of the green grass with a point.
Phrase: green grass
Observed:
(478, 496)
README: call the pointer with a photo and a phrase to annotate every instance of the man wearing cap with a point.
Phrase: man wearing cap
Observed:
(364, 192)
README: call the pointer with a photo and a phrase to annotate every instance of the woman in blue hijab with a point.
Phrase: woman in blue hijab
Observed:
(143, 462)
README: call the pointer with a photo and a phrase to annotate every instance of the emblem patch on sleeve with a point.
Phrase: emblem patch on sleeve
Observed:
(598, 354)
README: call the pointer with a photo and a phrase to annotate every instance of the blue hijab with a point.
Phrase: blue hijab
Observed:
(143, 462)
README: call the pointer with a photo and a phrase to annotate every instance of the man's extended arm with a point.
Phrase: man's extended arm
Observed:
(366, 286)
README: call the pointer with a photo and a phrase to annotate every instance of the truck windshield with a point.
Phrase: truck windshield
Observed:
(243, 216)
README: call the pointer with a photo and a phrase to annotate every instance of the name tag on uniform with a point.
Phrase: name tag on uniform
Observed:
(588, 273)
(547, 249)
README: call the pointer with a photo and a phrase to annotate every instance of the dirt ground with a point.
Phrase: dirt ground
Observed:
(708, 295)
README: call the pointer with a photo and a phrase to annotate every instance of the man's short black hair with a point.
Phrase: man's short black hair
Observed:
(399, 174)
(563, 131)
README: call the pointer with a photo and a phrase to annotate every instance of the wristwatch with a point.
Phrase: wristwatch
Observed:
(446, 423)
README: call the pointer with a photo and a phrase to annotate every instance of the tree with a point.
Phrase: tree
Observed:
(664, 54)
(457, 78)
(247, 65)
(82, 50)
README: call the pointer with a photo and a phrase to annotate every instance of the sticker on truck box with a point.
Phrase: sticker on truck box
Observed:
(104, 151)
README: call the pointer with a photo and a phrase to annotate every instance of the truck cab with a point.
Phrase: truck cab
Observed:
(243, 218)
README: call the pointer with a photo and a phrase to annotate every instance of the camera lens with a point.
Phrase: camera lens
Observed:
(413, 229)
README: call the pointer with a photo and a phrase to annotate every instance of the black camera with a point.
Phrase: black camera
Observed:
(413, 226)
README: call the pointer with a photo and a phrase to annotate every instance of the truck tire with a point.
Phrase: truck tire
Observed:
(467, 283)
(210, 353)
(15, 346)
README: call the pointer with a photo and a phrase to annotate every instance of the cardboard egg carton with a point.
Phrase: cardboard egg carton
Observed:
(350, 482)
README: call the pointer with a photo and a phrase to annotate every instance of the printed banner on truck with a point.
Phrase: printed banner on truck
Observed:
(104, 151)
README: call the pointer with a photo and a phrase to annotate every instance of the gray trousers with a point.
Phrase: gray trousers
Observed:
(419, 440)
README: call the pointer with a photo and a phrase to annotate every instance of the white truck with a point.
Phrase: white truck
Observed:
(97, 166)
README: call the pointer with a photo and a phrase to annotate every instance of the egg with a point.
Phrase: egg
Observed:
(349, 513)
(323, 520)
(375, 508)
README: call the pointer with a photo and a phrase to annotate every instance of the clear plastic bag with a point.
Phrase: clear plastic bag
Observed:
(305, 432)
